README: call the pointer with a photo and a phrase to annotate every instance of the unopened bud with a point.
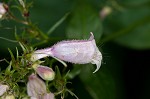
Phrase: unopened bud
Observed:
(74, 51)
(3, 89)
(45, 72)
(2, 10)
(48, 96)
(8, 97)
(105, 12)
(35, 87)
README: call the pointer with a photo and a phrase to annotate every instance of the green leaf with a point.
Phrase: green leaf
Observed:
(136, 2)
(138, 39)
(100, 85)
(84, 20)
(74, 72)
(11, 54)
(58, 74)
(132, 27)
(8, 69)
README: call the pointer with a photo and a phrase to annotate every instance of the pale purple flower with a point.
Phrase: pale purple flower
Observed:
(74, 51)
(45, 96)
(36, 88)
(2, 10)
(45, 72)
(48, 96)
(33, 98)
(3, 89)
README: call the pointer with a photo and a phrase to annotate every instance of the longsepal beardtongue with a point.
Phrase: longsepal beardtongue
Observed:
(73, 51)
(36, 88)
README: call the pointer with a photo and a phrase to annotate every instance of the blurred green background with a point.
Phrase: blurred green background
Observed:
(123, 36)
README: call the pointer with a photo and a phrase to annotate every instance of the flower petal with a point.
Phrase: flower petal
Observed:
(35, 86)
(3, 89)
(45, 72)
(97, 59)
(48, 96)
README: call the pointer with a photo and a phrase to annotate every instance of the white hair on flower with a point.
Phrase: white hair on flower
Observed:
(73, 51)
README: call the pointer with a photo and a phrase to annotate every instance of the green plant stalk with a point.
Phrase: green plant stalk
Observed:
(13, 41)
(57, 24)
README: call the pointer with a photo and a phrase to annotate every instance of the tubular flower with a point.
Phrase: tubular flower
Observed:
(45, 72)
(2, 10)
(3, 89)
(74, 51)
(36, 88)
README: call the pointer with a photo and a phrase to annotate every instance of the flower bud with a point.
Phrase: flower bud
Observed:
(3, 89)
(105, 12)
(45, 72)
(48, 96)
(2, 10)
(35, 87)
(74, 51)
(9, 97)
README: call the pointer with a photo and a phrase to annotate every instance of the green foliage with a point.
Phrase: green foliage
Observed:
(100, 85)
(132, 24)
(84, 19)
(43, 23)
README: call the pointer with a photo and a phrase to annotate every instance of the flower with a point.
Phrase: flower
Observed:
(2, 10)
(33, 98)
(48, 96)
(44, 72)
(9, 97)
(105, 12)
(74, 51)
(36, 88)
(3, 89)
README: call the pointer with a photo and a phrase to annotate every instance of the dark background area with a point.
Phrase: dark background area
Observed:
(134, 75)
